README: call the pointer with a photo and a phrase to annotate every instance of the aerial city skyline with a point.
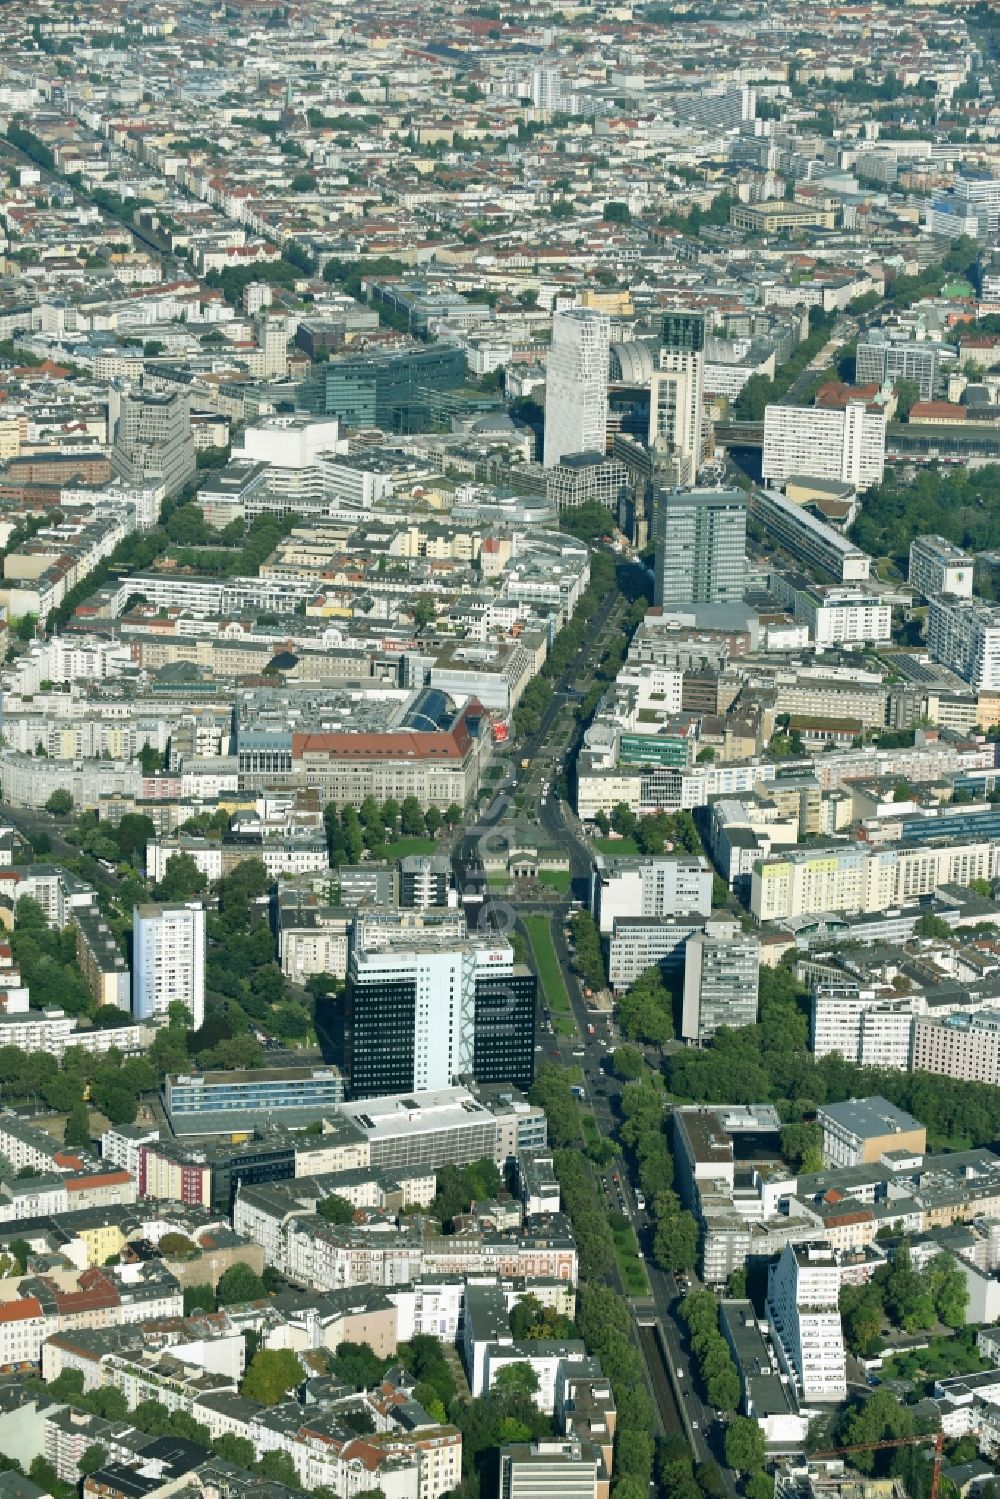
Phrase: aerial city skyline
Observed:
(499, 723)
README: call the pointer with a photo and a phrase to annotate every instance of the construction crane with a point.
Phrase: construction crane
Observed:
(937, 1437)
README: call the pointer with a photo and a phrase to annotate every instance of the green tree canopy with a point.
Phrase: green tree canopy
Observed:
(271, 1374)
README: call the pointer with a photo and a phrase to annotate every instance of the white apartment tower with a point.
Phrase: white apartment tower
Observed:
(546, 88)
(168, 960)
(576, 385)
(846, 444)
(272, 340)
(802, 1308)
(677, 391)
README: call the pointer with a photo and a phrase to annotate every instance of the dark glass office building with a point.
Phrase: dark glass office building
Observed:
(504, 1047)
(683, 332)
(391, 391)
(414, 1021)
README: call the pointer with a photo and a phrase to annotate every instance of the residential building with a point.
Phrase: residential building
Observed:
(836, 614)
(168, 961)
(576, 384)
(964, 635)
(808, 539)
(101, 961)
(963, 1046)
(803, 1289)
(939, 566)
(546, 88)
(856, 877)
(845, 443)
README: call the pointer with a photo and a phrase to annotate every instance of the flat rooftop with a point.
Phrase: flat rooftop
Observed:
(251, 1075)
(405, 1113)
(869, 1118)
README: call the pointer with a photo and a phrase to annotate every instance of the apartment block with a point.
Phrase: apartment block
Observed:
(939, 566)
(803, 1289)
(858, 877)
(964, 634)
(845, 443)
(808, 539)
(963, 1046)
(169, 961)
(100, 959)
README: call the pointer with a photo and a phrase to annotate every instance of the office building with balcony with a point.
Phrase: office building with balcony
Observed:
(802, 1309)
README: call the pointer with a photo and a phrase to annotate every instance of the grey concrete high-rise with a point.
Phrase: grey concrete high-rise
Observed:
(721, 974)
(152, 440)
(701, 546)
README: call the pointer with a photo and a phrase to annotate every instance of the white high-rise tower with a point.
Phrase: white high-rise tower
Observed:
(576, 384)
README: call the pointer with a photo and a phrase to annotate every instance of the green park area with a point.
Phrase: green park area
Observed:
(539, 930)
(627, 1254)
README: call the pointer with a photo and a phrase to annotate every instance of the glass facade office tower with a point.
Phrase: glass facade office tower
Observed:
(391, 391)
(422, 1011)
(701, 546)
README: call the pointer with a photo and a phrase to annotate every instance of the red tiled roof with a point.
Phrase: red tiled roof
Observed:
(20, 1311)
